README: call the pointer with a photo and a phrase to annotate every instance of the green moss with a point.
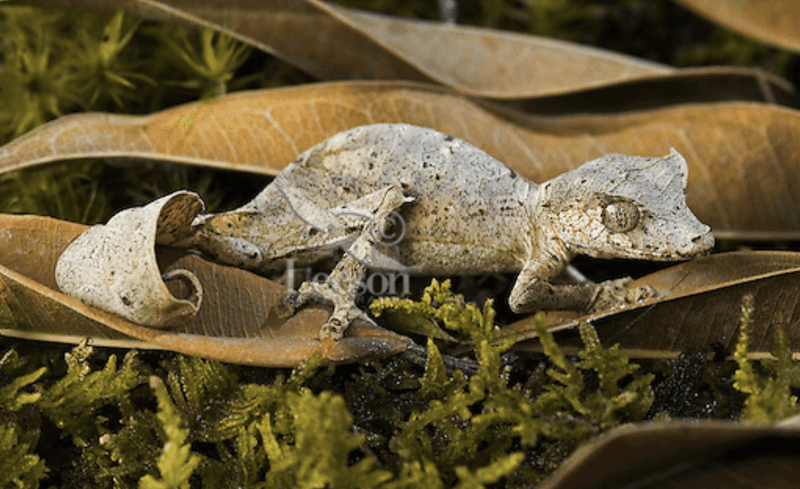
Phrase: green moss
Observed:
(176, 463)
(202, 422)
(317, 452)
(61, 61)
(97, 65)
(19, 467)
(209, 62)
(57, 62)
(438, 305)
(482, 421)
(621, 393)
(43, 192)
(770, 397)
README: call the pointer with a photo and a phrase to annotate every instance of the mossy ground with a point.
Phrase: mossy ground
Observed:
(82, 417)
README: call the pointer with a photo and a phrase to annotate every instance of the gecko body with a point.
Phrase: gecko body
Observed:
(410, 199)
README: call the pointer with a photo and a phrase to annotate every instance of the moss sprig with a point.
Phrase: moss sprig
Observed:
(770, 397)
(34, 83)
(20, 466)
(98, 66)
(438, 305)
(74, 402)
(622, 393)
(209, 58)
(322, 442)
(12, 395)
(469, 422)
(176, 463)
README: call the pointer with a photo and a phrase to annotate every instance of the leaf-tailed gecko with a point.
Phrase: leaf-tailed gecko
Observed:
(411, 199)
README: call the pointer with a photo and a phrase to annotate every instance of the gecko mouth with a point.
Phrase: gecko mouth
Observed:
(698, 245)
(684, 249)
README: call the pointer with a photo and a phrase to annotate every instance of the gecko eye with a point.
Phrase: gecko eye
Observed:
(620, 216)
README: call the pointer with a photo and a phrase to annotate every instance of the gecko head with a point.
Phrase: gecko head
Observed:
(621, 206)
(226, 238)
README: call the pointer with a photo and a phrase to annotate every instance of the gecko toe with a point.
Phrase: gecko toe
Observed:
(293, 301)
(616, 293)
(333, 329)
(340, 320)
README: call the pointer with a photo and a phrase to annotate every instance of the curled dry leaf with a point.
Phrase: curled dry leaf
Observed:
(113, 266)
(776, 23)
(677, 454)
(27, 285)
(698, 305)
(743, 159)
(237, 322)
(331, 42)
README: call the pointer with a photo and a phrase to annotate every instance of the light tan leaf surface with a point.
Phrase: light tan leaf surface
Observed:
(236, 323)
(743, 158)
(684, 455)
(698, 305)
(774, 22)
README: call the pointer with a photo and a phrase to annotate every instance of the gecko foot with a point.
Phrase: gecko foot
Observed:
(344, 314)
(294, 300)
(340, 320)
(614, 293)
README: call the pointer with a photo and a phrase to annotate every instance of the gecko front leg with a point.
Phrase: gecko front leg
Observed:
(343, 284)
(532, 293)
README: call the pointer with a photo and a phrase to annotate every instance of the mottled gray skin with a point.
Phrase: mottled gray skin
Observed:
(463, 213)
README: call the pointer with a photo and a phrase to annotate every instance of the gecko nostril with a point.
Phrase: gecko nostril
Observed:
(703, 242)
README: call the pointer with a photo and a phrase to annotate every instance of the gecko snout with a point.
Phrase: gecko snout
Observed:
(698, 245)
(217, 238)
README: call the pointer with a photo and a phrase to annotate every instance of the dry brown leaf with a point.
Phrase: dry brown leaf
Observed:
(698, 305)
(331, 42)
(692, 456)
(684, 86)
(236, 323)
(743, 158)
(774, 22)
(489, 63)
